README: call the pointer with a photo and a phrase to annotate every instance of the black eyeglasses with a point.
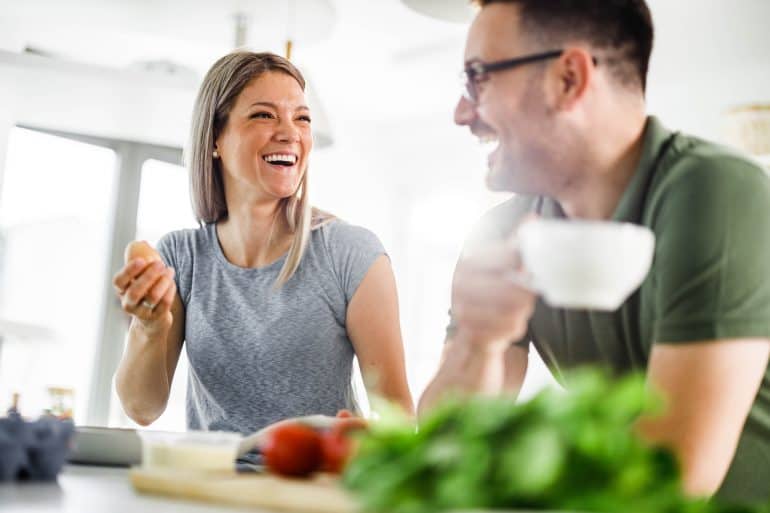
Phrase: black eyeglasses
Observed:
(477, 71)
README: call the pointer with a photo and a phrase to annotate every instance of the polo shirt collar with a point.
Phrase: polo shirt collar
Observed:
(630, 206)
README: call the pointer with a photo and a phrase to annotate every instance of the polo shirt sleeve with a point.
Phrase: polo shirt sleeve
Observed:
(712, 256)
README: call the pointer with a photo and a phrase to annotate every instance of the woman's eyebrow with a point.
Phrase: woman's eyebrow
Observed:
(264, 104)
(274, 106)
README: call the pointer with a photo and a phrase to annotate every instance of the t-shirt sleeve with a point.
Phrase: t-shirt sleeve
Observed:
(353, 250)
(171, 248)
(712, 228)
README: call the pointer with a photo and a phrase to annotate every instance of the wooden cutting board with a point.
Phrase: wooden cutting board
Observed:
(322, 494)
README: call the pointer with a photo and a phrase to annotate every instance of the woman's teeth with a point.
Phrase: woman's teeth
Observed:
(281, 159)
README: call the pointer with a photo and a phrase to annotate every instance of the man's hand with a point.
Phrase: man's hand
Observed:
(489, 312)
(488, 307)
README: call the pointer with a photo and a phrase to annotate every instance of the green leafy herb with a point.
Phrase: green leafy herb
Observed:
(572, 451)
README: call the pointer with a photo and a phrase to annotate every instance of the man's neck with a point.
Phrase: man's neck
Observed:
(609, 162)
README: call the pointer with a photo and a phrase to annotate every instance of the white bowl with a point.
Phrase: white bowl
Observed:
(199, 450)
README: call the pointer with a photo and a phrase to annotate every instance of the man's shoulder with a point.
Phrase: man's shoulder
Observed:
(501, 220)
(706, 193)
(697, 161)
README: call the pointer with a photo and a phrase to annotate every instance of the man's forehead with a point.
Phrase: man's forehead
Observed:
(494, 33)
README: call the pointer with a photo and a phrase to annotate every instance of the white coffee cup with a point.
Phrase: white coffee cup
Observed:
(584, 264)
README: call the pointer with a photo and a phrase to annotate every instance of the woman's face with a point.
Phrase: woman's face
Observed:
(265, 143)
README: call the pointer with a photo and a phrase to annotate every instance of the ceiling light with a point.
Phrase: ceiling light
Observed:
(457, 11)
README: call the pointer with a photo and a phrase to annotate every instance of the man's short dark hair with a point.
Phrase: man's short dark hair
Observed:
(623, 27)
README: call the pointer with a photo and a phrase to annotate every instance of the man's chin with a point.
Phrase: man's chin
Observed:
(498, 180)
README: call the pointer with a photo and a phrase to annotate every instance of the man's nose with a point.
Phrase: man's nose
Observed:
(465, 112)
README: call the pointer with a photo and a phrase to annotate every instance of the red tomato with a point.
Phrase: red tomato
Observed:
(292, 450)
(336, 445)
(335, 450)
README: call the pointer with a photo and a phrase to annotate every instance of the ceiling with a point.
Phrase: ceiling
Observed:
(369, 60)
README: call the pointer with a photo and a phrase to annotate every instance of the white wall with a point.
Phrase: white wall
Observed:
(708, 56)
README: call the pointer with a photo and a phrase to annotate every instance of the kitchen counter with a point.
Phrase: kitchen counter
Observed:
(87, 489)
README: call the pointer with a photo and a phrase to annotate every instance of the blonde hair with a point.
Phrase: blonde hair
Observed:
(216, 97)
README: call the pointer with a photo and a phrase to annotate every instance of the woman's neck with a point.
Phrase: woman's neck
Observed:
(254, 235)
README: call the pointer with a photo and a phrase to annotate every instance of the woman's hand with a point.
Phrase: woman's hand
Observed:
(344, 420)
(300, 446)
(146, 290)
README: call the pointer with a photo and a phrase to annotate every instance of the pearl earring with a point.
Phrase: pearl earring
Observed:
(216, 154)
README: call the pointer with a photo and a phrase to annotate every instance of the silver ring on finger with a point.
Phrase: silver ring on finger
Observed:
(148, 305)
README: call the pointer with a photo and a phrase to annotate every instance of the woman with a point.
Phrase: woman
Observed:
(272, 297)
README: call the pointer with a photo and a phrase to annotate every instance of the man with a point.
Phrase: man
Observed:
(575, 142)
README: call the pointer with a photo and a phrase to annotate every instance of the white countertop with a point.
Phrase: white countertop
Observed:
(86, 489)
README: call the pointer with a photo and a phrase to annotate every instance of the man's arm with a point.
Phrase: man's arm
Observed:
(466, 369)
(516, 363)
(489, 311)
(708, 388)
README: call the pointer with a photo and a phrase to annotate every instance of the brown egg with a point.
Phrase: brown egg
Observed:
(140, 249)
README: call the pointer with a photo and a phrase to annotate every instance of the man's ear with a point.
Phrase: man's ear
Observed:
(570, 77)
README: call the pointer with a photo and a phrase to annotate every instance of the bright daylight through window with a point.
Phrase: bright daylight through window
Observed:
(56, 203)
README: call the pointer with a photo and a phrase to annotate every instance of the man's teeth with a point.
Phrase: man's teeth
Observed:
(288, 159)
(487, 139)
(488, 143)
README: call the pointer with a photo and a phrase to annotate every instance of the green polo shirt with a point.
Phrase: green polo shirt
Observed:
(710, 276)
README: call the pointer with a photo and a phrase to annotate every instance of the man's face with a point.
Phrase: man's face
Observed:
(510, 107)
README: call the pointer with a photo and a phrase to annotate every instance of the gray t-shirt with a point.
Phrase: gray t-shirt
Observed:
(259, 355)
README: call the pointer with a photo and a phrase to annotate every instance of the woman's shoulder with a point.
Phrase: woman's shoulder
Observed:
(186, 240)
(350, 249)
(337, 234)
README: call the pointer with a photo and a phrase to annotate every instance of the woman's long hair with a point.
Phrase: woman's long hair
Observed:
(216, 97)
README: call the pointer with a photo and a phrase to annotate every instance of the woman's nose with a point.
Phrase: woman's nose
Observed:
(287, 131)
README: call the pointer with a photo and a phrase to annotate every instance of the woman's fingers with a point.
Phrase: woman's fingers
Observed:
(142, 284)
(167, 300)
(127, 274)
(150, 295)
(159, 288)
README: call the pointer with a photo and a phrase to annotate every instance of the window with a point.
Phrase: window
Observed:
(56, 205)
(164, 206)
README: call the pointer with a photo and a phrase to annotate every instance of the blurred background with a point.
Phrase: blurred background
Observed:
(95, 103)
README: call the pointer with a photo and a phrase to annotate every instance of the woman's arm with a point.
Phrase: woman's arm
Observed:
(374, 329)
(144, 376)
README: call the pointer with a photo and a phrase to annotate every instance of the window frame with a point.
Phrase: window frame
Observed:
(130, 157)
